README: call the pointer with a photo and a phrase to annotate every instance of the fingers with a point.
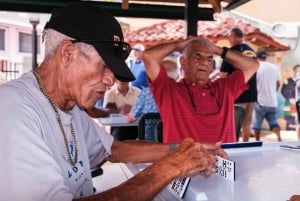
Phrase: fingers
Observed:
(222, 153)
(215, 149)
(210, 168)
(193, 157)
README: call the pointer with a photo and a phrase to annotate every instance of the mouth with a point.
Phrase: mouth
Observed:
(201, 70)
(99, 93)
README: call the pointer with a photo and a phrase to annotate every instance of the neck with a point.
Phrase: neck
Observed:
(50, 80)
(124, 92)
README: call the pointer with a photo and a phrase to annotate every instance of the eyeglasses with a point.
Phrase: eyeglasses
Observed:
(122, 49)
(196, 109)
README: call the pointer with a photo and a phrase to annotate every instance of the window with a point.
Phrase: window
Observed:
(25, 43)
(2, 39)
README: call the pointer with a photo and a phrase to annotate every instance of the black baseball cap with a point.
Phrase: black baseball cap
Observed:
(95, 26)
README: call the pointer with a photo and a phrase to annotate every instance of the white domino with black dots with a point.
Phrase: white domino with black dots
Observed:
(225, 168)
(179, 185)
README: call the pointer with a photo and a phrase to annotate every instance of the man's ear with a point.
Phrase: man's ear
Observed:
(66, 52)
(182, 62)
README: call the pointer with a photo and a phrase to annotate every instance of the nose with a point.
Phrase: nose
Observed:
(108, 77)
(205, 61)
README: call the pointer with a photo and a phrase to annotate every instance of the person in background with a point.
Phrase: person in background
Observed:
(194, 106)
(145, 102)
(244, 104)
(48, 142)
(290, 92)
(288, 87)
(137, 67)
(268, 81)
(122, 96)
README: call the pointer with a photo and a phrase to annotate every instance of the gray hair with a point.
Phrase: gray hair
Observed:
(200, 41)
(54, 38)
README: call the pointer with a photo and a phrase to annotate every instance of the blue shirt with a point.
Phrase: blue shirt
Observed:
(144, 103)
(139, 72)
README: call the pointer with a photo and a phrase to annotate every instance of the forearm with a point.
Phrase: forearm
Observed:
(247, 64)
(143, 186)
(153, 56)
(187, 159)
(158, 52)
(137, 151)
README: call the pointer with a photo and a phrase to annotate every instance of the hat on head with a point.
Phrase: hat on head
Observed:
(139, 47)
(95, 26)
(261, 53)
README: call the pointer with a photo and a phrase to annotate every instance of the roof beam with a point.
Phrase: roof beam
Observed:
(134, 10)
(235, 3)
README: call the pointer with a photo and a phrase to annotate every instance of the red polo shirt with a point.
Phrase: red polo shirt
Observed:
(203, 112)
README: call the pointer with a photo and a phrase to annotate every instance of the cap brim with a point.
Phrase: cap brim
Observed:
(116, 64)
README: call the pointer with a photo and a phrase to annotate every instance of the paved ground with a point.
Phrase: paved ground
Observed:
(267, 136)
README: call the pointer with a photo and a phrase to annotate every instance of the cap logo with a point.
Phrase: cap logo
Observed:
(249, 53)
(117, 40)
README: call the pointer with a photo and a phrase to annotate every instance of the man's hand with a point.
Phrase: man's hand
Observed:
(192, 157)
(130, 118)
(125, 109)
(215, 149)
(295, 198)
(112, 107)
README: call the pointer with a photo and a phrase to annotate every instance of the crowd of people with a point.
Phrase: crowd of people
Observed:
(49, 138)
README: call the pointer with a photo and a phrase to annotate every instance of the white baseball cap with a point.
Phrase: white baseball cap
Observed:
(138, 47)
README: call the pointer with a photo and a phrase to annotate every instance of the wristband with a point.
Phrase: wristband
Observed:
(172, 146)
(224, 52)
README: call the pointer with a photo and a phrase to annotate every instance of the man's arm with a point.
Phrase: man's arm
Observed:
(248, 65)
(188, 158)
(278, 85)
(153, 56)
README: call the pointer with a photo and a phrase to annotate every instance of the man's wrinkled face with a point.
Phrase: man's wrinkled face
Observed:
(197, 63)
(90, 78)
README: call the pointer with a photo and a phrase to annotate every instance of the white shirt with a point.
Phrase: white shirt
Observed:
(33, 156)
(267, 76)
(113, 95)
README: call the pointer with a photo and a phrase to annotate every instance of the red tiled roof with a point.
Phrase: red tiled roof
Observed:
(171, 30)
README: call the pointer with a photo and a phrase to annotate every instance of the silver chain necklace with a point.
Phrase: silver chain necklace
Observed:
(44, 91)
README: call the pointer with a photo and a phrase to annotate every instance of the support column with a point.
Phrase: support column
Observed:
(191, 17)
(34, 23)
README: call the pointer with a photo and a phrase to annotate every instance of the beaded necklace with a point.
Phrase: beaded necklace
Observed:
(44, 91)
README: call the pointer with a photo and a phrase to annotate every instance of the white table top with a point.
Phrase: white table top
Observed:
(262, 174)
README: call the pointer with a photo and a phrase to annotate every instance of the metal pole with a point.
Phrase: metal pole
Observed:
(34, 23)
